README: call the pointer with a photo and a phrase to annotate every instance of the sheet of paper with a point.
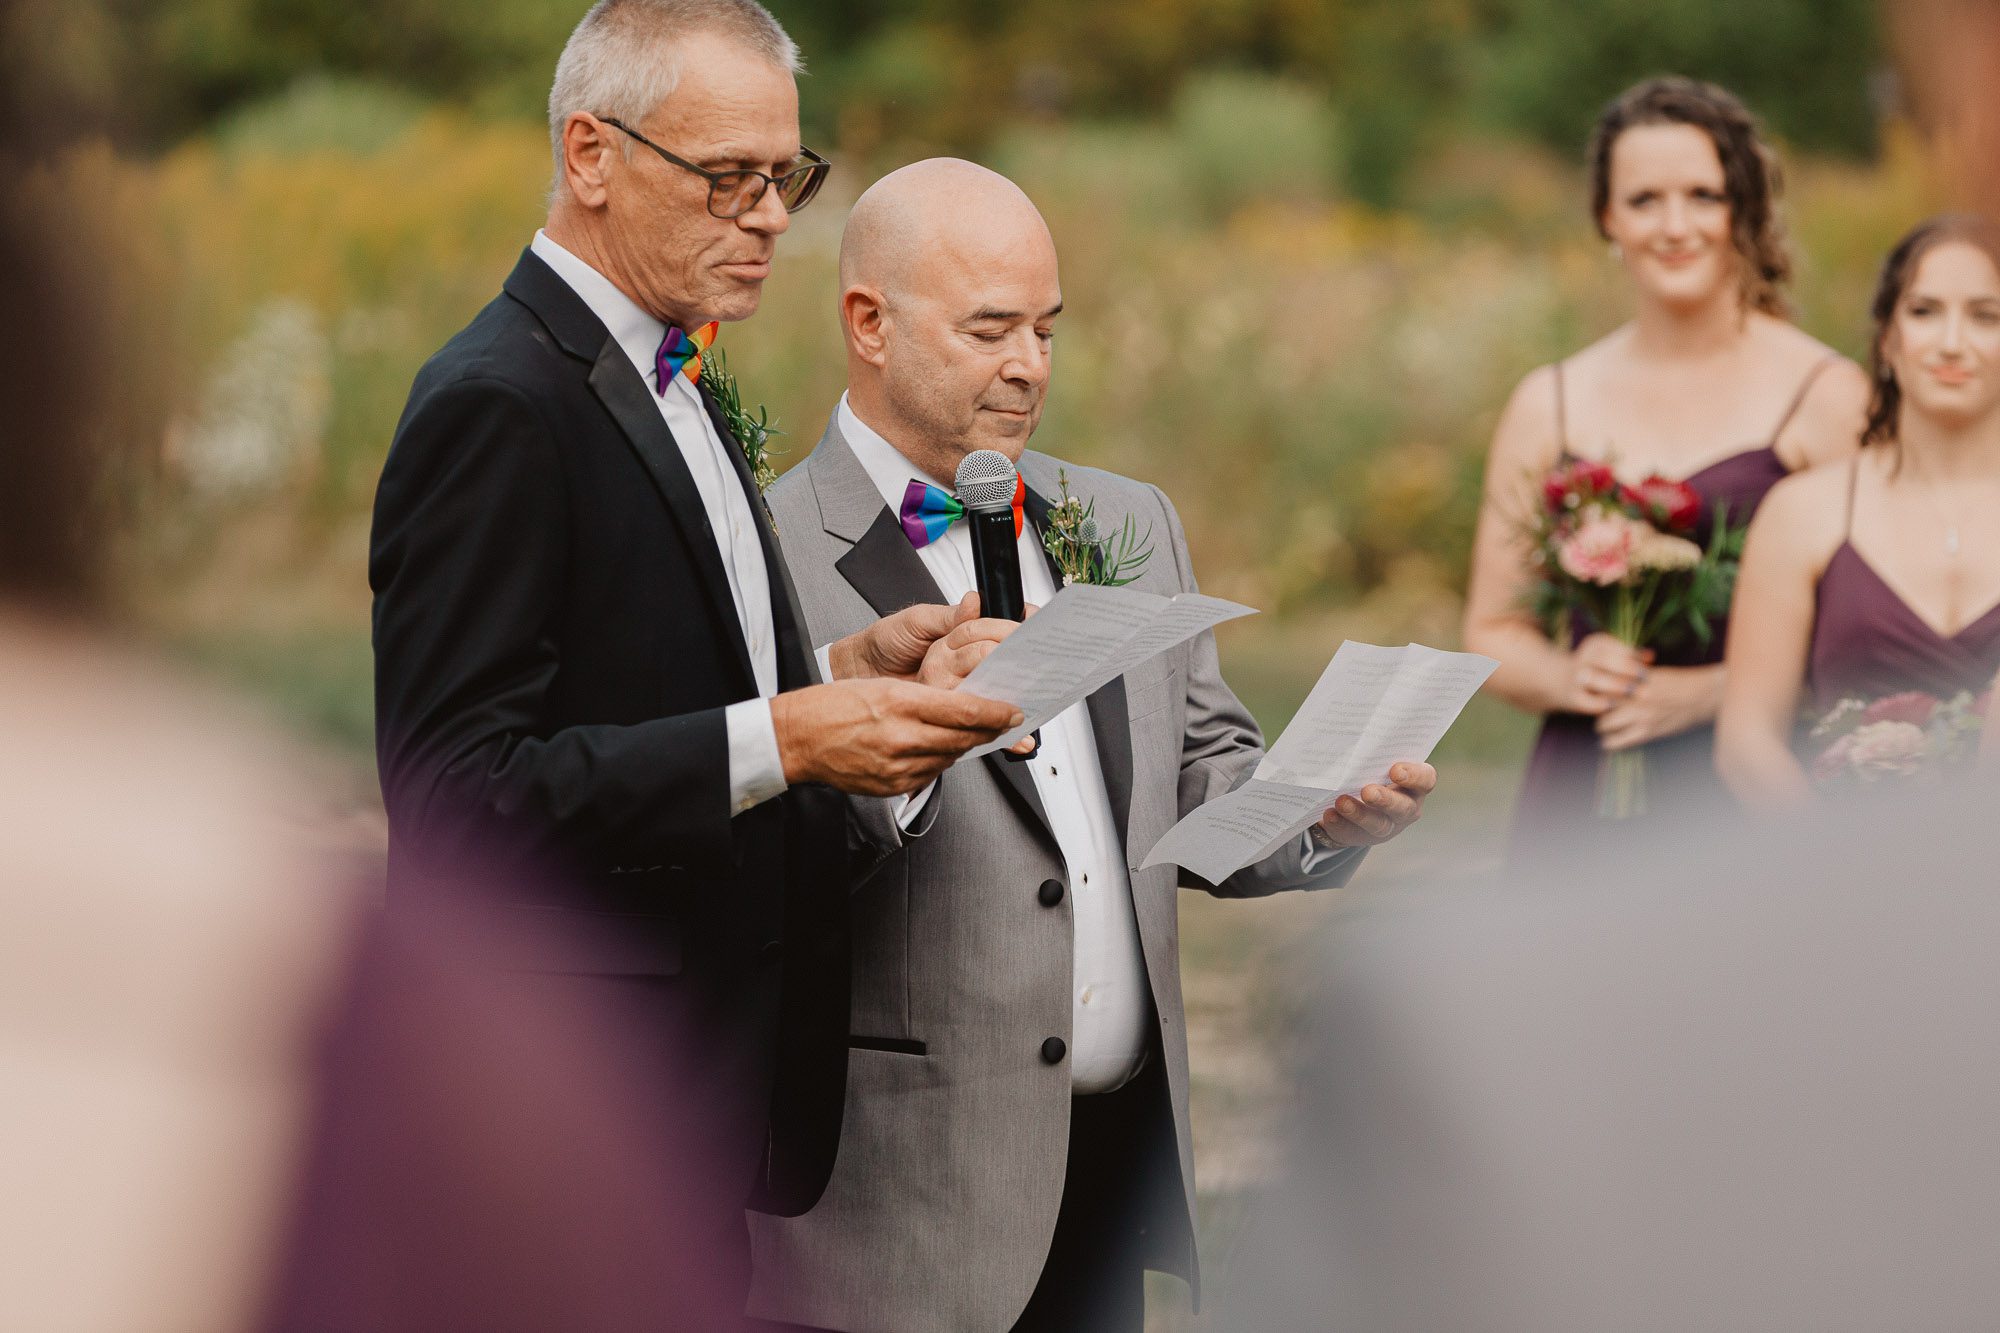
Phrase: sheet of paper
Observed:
(1372, 708)
(1426, 697)
(1314, 749)
(1042, 667)
(1084, 638)
(1239, 829)
(1183, 617)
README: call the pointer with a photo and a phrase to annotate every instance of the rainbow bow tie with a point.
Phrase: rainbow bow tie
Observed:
(680, 354)
(928, 511)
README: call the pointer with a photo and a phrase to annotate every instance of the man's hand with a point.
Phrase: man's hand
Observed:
(937, 645)
(894, 646)
(1382, 812)
(952, 658)
(881, 737)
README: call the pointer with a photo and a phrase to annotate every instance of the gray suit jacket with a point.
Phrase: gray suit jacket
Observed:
(950, 1165)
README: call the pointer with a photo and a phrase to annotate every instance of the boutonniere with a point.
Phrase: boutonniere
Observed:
(1083, 551)
(753, 434)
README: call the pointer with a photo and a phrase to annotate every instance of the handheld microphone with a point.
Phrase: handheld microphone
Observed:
(986, 485)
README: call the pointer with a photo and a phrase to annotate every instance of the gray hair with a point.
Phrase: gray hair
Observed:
(624, 58)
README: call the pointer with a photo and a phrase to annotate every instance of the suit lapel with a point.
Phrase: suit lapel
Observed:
(625, 395)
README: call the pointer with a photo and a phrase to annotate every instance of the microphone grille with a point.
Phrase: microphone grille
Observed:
(986, 480)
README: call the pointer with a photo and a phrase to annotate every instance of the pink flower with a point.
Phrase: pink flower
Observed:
(1600, 550)
(1887, 749)
(1911, 706)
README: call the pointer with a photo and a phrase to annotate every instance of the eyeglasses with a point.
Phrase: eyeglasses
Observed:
(731, 194)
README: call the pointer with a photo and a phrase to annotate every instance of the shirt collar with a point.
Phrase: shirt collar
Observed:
(881, 460)
(637, 332)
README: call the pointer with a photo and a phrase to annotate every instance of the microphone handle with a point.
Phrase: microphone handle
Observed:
(996, 572)
(996, 564)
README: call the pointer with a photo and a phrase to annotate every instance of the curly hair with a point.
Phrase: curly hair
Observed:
(1751, 175)
(1899, 270)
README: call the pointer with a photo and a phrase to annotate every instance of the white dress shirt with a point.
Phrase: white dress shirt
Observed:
(1110, 1007)
(756, 773)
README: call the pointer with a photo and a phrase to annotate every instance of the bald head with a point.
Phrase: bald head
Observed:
(940, 211)
(949, 294)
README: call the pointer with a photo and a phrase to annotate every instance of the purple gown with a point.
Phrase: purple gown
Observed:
(1868, 643)
(1559, 789)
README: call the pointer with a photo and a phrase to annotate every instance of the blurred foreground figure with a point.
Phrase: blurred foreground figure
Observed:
(230, 1096)
(165, 927)
(1749, 1088)
(160, 936)
(164, 938)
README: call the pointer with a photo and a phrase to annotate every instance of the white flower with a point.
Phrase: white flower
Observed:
(1664, 551)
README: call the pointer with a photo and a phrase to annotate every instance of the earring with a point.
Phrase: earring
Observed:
(1617, 252)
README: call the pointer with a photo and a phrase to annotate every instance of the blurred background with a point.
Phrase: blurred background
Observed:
(1308, 245)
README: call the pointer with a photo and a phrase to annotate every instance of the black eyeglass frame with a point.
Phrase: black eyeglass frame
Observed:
(814, 164)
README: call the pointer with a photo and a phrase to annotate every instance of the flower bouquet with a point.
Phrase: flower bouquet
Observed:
(1621, 559)
(1908, 735)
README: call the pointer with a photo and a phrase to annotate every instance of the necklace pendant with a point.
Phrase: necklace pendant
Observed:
(1951, 540)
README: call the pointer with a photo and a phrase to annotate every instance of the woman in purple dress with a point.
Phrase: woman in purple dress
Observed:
(1881, 578)
(1707, 383)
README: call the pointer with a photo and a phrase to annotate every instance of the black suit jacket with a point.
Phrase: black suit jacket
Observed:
(555, 643)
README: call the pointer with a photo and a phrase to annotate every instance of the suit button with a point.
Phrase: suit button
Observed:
(1053, 1050)
(1051, 892)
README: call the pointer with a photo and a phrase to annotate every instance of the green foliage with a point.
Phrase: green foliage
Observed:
(1804, 65)
(901, 78)
(1085, 553)
(753, 434)
(1245, 138)
(321, 114)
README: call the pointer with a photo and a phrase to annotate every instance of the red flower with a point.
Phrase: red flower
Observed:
(1572, 483)
(1910, 706)
(1671, 505)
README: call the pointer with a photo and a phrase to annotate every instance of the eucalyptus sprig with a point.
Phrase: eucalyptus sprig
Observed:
(1076, 540)
(753, 434)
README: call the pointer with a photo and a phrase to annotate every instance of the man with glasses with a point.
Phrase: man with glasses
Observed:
(591, 669)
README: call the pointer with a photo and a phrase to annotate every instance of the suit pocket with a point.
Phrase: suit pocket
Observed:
(889, 1045)
(1143, 699)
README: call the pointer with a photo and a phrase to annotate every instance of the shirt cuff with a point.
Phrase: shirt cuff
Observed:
(907, 809)
(824, 656)
(1319, 857)
(756, 772)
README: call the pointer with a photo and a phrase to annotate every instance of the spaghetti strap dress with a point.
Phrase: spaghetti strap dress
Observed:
(1868, 643)
(1559, 790)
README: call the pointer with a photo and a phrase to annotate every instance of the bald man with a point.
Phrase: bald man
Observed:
(1015, 1149)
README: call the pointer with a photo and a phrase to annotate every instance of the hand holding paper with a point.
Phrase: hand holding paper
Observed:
(1086, 637)
(1372, 708)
